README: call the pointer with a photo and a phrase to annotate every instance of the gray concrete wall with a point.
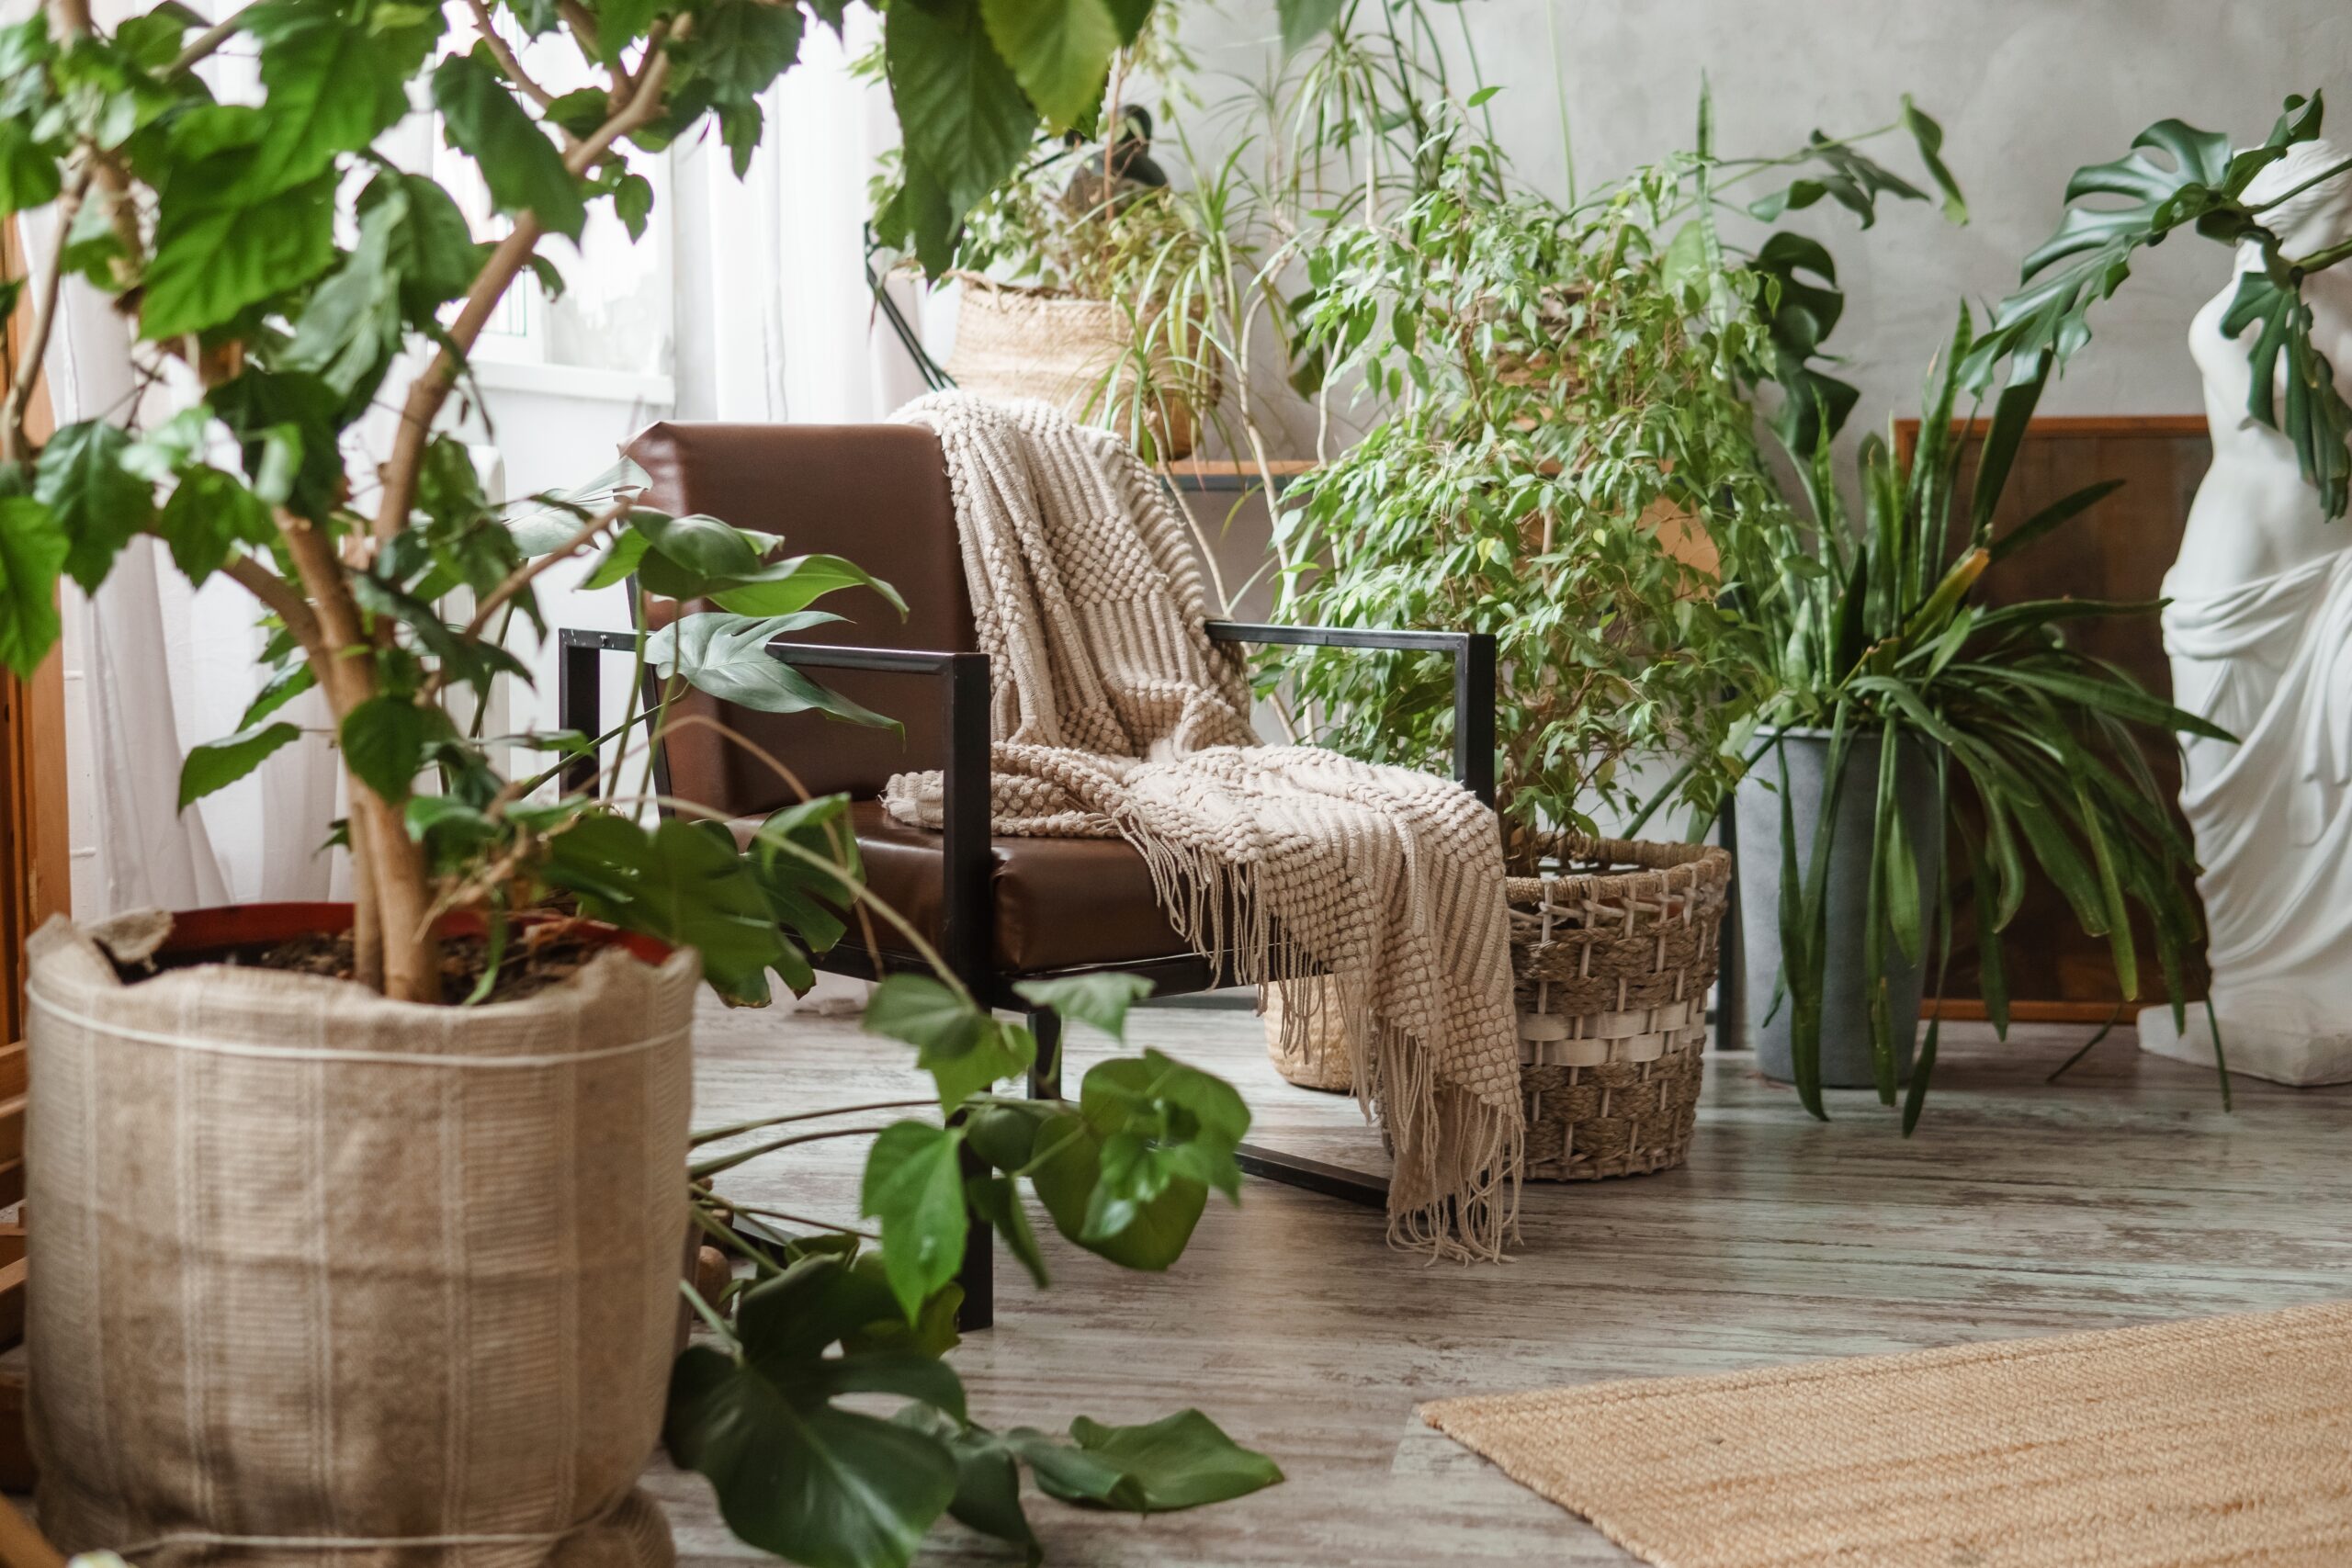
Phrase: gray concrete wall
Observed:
(2026, 89)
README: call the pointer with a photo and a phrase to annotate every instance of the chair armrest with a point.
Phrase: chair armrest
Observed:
(1474, 681)
(962, 679)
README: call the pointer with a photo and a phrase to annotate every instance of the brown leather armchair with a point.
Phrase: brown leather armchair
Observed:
(999, 910)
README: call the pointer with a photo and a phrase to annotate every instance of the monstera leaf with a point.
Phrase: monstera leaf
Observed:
(795, 1473)
(2178, 176)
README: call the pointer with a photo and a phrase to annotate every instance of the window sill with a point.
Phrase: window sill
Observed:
(575, 381)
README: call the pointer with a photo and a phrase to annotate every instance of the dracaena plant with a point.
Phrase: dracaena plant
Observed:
(1870, 626)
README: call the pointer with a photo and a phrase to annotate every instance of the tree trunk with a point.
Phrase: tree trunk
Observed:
(395, 875)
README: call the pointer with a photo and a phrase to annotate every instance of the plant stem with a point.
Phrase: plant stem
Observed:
(713, 1167)
(737, 1129)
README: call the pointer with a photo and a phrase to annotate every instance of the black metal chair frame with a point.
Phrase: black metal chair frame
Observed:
(960, 683)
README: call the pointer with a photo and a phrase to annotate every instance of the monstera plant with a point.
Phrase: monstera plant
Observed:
(282, 277)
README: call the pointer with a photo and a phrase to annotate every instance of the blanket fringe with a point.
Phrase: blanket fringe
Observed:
(1454, 1189)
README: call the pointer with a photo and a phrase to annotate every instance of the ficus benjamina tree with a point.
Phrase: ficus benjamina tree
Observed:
(270, 262)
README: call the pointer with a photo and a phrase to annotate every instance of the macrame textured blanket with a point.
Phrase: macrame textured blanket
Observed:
(1115, 716)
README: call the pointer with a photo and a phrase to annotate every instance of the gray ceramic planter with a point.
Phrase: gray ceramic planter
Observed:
(1845, 1026)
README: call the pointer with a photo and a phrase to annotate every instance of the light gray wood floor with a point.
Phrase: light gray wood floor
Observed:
(2123, 1194)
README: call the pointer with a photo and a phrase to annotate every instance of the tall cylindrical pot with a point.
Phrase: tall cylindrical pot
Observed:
(316, 1275)
(1846, 1060)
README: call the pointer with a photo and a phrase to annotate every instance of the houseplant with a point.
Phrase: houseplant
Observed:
(1870, 633)
(276, 264)
(1566, 427)
(1063, 268)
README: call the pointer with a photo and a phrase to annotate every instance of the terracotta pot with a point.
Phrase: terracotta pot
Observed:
(312, 1266)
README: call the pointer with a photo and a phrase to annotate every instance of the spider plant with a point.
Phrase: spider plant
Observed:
(1870, 626)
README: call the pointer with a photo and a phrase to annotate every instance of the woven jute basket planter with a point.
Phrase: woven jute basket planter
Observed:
(1612, 960)
(325, 1277)
(1320, 1061)
(1012, 342)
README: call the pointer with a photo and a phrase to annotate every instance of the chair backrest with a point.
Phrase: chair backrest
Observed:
(875, 493)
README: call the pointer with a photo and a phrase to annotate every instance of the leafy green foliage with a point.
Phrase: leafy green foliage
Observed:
(32, 553)
(2178, 176)
(99, 504)
(727, 657)
(1868, 628)
(524, 171)
(216, 764)
(913, 1188)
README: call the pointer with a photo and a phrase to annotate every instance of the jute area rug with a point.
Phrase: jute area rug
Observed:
(2221, 1440)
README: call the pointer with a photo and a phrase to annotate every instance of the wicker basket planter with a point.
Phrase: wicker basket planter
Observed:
(1012, 342)
(1612, 959)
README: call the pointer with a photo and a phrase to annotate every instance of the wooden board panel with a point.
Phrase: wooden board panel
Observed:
(2119, 550)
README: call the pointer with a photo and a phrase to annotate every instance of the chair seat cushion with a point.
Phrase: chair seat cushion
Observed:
(1061, 903)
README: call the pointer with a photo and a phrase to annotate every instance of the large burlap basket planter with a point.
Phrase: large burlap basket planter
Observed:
(1078, 355)
(317, 1276)
(1612, 962)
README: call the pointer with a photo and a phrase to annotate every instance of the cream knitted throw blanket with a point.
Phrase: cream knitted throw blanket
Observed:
(1115, 715)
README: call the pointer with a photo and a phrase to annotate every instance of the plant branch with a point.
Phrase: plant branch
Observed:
(291, 609)
(29, 365)
(520, 579)
(487, 26)
(203, 45)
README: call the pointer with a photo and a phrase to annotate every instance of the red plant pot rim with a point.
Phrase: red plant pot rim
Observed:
(242, 925)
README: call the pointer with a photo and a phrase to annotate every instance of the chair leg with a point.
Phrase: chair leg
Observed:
(1046, 1073)
(979, 1274)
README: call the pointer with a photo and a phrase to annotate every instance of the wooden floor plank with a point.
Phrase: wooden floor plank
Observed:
(2123, 1194)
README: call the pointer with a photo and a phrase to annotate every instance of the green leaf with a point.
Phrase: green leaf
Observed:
(213, 262)
(216, 764)
(29, 177)
(997, 1200)
(795, 1474)
(1130, 16)
(100, 504)
(1303, 21)
(32, 553)
(967, 124)
(283, 688)
(1929, 137)
(913, 1186)
(1178, 1461)
(1100, 999)
(1059, 50)
(987, 1479)
(521, 166)
(745, 45)
(208, 514)
(684, 883)
(782, 587)
(614, 566)
(963, 1048)
(383, 744)
(1066, 1172)
(727, 657)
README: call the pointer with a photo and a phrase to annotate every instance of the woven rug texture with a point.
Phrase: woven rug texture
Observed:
(2218, 1440)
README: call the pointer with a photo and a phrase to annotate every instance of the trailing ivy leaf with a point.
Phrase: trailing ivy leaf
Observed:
(32, 553)
(967, 124)
(383, 744)
(99, 504)
(522, 168)
(727, 656)
(1059, 50)
(1100, 999)
(919, 1011)
(915, 1189)
(1180, 1461)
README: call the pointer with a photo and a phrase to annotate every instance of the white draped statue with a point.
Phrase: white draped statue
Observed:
(2259, 631)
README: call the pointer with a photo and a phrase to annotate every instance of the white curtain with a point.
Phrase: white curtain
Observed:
(776, 322)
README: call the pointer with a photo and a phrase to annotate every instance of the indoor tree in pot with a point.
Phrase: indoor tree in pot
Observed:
(404, 1227)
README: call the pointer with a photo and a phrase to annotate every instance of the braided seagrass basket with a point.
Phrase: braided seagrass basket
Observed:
(1613, 958)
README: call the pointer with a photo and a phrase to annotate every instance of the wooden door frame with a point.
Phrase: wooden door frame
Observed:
(37, 869)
